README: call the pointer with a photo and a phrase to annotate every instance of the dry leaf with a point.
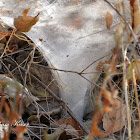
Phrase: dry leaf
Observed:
(109, 20)
(40, 39)
(70, 129)
(25, 12)
(135, 14)
(71, 122)
(55, 135)
(116, 117)
(24, 23)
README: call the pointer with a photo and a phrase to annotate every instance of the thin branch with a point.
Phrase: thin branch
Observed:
(94, 62)
(128, 25)
(68, 71)
(50, 113)
(97, 32)
(92, 83)
(28, 66)
(61, 102)
(7, 43)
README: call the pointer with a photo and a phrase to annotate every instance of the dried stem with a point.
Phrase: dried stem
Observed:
(136, 92)
(125, 84)
(61, 102)
(7, 43)
(127, 24)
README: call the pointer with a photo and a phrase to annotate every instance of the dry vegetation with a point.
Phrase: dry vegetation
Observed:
(34, 111)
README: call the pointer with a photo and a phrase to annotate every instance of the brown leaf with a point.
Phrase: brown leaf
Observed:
(135, 14)
(70, 129)
(40, 39)
(25, 12)
(116, 117)
(24, 23)
(71, 122)
(109, 20)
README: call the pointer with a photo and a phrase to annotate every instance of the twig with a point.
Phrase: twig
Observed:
(28, 66)
(94, 62)
(125, 84)
(128, 25)
(44, 113)
(51, 113)
(97, 32)
(67, 71)
(91, 82)
(7, 43)
(61, 102)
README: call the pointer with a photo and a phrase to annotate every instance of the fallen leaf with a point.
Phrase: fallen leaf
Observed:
(71, 122)
(40, 39)
(24, 23)
(109, 20)
(116, 117)
(135, 14)
(25, 12)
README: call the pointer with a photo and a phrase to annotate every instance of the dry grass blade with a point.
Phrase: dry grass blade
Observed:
(136, 93)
